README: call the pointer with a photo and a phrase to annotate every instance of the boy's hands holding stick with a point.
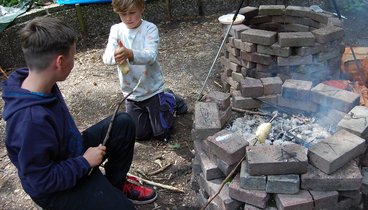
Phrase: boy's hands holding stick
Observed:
(95, 155)
(122, 54)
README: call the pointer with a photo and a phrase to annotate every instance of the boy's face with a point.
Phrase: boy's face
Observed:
(132, 17)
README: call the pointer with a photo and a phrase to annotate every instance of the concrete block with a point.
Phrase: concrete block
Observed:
(346, 178)
(236, 30)
(319, 17)
(296, 28)
(251, 87)
(249, 12)
(244, 46)
(280, 159)
(259, 36)
(228, 146)
(355, 121)
(295, 60)
(220, 98)
(324, 199)
(297, 11)
(284, 184)
(296, 39)
(271, 10)
(335, 151)
(307, 106)
(271, 85)
(250, 182)
(328, 33)
(274, 49)
(241, 102)
(300, 201)
(206, 119)
(334, 98)
(254, 197)
(209, 169)
(297, 89)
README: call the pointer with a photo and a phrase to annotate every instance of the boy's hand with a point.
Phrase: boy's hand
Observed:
(94, 155)
(121, 54)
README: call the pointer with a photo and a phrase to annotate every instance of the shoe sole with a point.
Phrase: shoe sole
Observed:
(144, 202)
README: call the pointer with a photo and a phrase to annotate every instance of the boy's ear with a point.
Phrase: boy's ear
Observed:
(58, 61)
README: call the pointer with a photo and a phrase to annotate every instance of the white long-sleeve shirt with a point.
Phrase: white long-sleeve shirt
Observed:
(144, 41)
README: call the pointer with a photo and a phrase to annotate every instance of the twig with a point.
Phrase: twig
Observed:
(3, 72)
(223, 183)
(159, 170)
(249, 112)
(218, 84)
(168, 187)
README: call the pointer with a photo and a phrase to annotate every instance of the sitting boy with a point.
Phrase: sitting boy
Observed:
(52, 157)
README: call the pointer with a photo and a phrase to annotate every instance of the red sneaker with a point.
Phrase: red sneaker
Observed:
(137, 193)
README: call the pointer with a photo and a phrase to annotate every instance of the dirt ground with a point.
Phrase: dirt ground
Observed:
(187, 50)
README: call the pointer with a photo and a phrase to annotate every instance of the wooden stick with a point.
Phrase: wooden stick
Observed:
(3, 72)
(168, 187)
(223, 183)
(159, 170)
(249, 112)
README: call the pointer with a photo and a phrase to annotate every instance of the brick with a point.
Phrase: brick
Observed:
(250, 182)
(297, 11)
(296, 89)
(334, 98)
(364, 159)
(236, 60)
(324, 56)
(295, 20)
(296, 28)
(285, 184)
(261, 74)
(324, 199)
(254, 197)
(223, 166)
(264, 68)
(274, 49)
(269, 100)
(232, 50)
(207, 119)
(303, 51)
(280, 159)
(319, 17)
(335, 151)
(333, 21)
(271, 10)
(237, 76)
(223, 199)
(300, 201)
(249, 12)
(348, 177)
(364, 187)
(330, 118)
(220, 98)
(251, 87)
(256, 20)
(228, 146)
(328, 33)
(225, 115)
(294, 60)
(259, 36)
(271, 85)
(241, 102)
(296, 39)
(233, 66)
(354, 195)
(236, 30)
(209, 169)
(355, 121)
(250, 207)
(196, 166)
(256, 57)
(307, 106)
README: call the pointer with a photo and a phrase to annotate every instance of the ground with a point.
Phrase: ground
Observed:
(188, 48)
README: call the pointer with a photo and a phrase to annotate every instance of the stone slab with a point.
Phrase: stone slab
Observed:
(280, 159)
(335, 151)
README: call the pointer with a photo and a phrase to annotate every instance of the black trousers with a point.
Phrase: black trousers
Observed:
(98, 191)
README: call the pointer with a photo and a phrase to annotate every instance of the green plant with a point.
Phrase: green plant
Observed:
(9, 3)
(353, 5)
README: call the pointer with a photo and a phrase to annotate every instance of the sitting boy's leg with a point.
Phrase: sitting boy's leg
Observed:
(91, 192)
(120, 145)
(140, 116)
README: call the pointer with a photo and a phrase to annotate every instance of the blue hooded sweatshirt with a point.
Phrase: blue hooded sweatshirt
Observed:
(42, 139)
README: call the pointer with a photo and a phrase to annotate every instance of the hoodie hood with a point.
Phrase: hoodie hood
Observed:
(17, 98)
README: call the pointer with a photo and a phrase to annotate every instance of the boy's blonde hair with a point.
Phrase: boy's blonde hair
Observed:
(124, 5)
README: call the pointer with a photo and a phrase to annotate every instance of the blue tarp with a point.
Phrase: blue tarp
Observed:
(8, 14)
(81, 1)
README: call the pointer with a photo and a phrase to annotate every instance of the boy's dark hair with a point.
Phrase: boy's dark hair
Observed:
(124, 5)
(43, 38)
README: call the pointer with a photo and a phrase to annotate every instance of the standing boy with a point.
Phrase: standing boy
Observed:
(133, 46)
(52, 157)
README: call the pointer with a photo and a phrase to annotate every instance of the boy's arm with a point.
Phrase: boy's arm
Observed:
(112, 44)
(147, 55)
(40, 159)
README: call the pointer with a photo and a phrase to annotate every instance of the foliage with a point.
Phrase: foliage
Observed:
(9, 3)
(353, 5)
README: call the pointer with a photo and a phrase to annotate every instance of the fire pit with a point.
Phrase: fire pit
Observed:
(278, 67)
